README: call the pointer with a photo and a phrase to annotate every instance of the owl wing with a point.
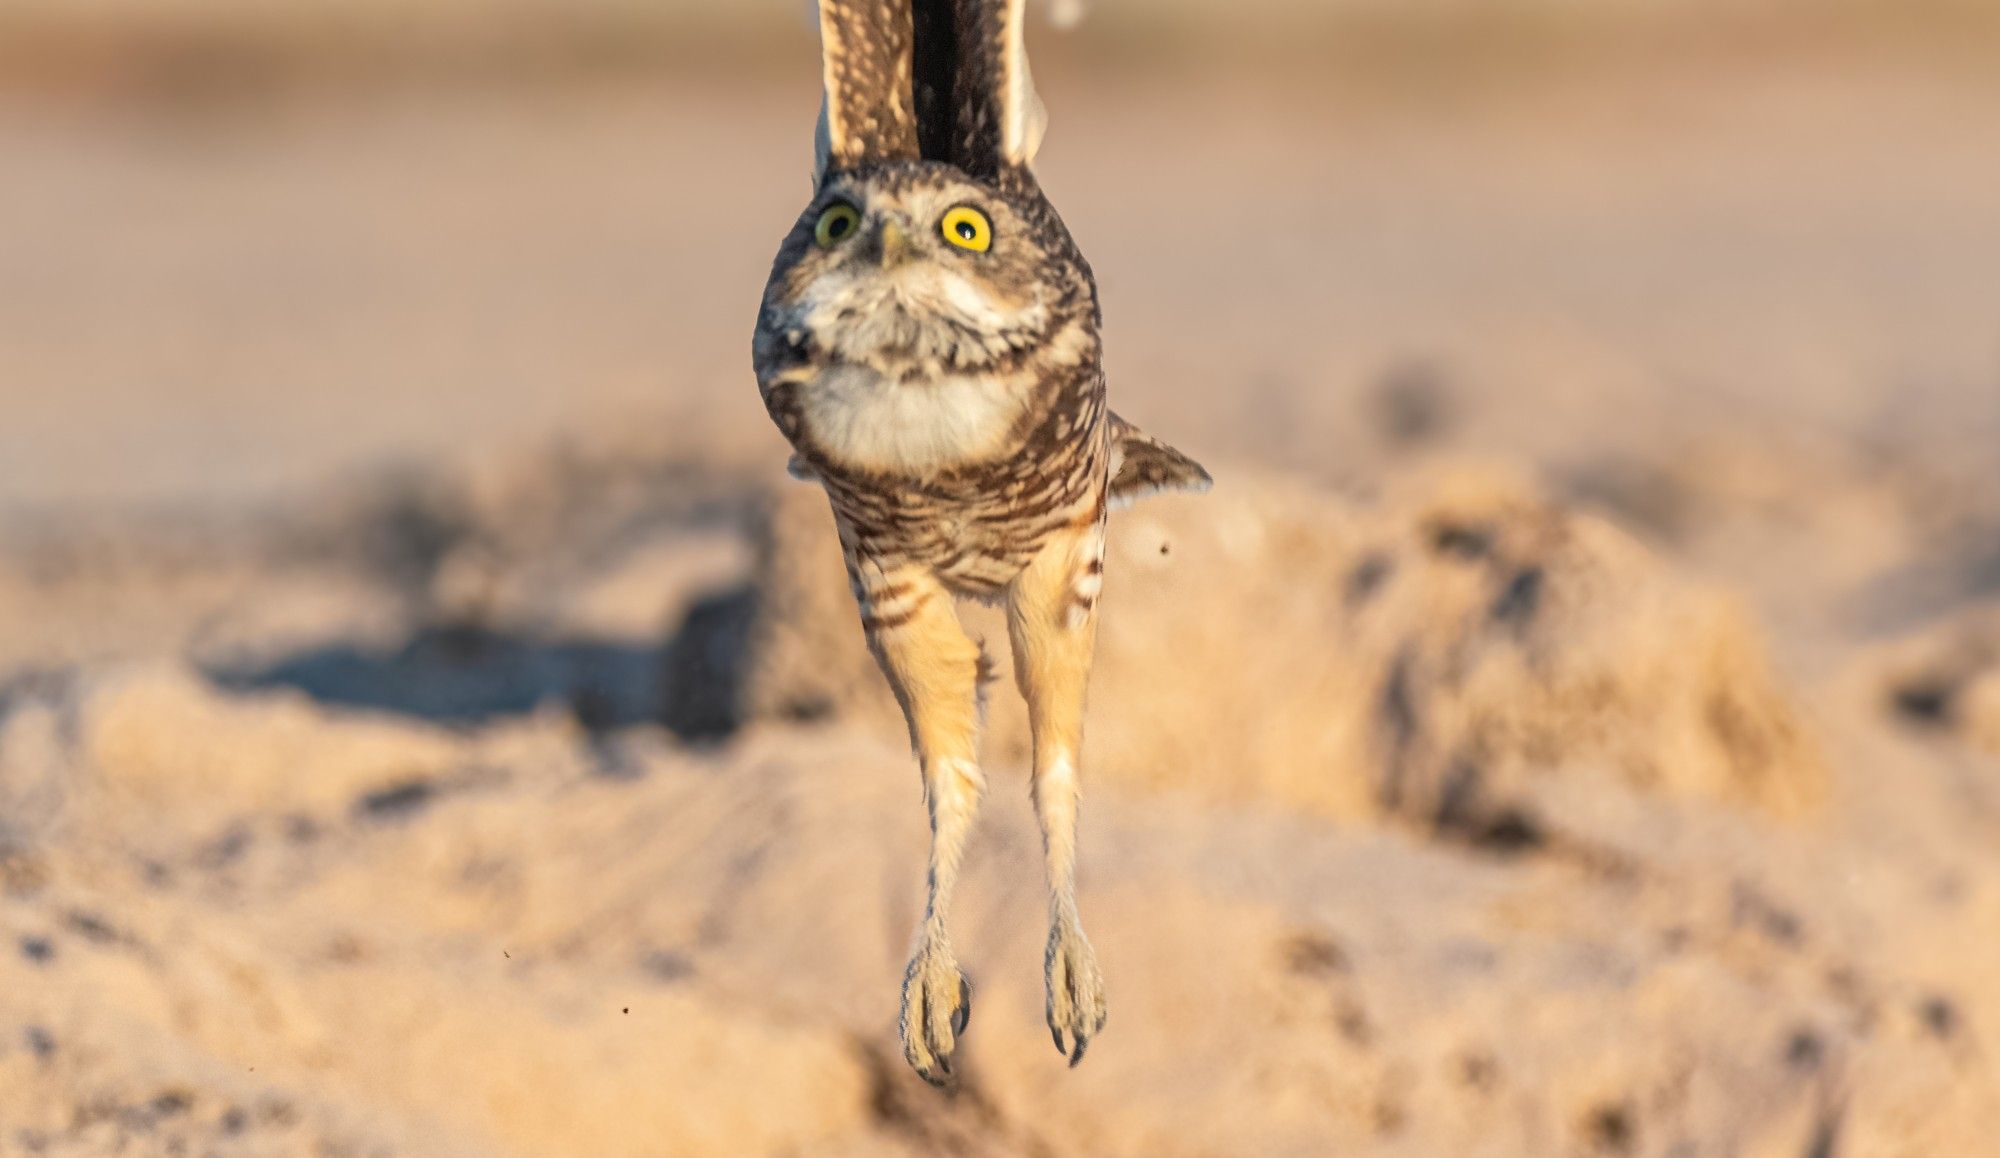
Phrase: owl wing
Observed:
(1142, 465)
(942, 80)
(974, 95)
(867, 111)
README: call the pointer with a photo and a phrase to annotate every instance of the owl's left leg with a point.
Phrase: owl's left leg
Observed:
(1052, 622)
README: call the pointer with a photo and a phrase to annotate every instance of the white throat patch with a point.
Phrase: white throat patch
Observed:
(861, 419)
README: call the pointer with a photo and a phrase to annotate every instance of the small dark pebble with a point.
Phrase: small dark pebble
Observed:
(345, 949)
(1748, 906)
(1805, 1050)
(1611, 1129)
(40, 950)
(1479, 1070)
(225, 849)
(627, 1009)
(1352, 1022)
(167, 1103)
(806, 709)
(39, 1041)
(90, 927)
(397, 801)
(1523, 595)
(1940, 1016)
(1316, 955)
(1413, 404)
(234, 1120)
(1367, 577)
(1511, 833)
(1461, 541)
(1926, 703)
(663, 965)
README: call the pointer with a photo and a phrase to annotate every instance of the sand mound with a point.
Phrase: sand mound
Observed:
(551, 804)
(204, 950)
(1426, 655)
(563, 945)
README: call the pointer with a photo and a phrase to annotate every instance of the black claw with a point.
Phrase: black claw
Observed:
(921, 1070)
(1057, 1036)
(962, 1016)
(1082, 1043)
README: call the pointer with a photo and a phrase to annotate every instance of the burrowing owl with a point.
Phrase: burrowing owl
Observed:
(929, 345)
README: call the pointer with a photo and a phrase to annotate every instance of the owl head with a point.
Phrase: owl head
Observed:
(917, 268)
(928, 247)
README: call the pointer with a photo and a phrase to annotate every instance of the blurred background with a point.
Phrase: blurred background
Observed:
(429, 725)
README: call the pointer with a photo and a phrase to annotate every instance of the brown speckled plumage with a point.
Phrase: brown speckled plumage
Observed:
(928, 343)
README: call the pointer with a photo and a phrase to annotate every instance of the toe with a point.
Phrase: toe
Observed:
(1075, 995)
(936, 1007)
(917, 1050)
(923, 1063)
(941, 1027)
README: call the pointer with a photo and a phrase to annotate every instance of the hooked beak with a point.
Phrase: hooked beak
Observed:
(895, 245)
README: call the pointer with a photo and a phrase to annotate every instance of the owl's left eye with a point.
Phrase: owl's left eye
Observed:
(967, 228)
(836, 222)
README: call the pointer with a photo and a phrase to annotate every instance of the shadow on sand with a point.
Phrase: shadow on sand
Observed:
(471, 675)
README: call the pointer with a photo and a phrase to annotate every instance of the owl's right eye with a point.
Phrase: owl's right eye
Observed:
(836, 224)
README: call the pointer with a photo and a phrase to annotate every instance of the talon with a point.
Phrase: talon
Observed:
(962, 1016)
(1076, 994)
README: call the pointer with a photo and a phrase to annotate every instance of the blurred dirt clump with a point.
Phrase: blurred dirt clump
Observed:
(1424, 654)
(1948, 679)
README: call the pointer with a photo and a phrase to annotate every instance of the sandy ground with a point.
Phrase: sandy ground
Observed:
(430, 725)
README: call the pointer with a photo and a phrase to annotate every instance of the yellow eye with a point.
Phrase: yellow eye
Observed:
(836, 224)
(967, 228)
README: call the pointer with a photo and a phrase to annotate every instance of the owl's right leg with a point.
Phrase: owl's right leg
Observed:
(935, 670)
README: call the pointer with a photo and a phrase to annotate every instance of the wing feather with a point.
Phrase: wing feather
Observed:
(867, 113)
(975, 96)
(1142, 465)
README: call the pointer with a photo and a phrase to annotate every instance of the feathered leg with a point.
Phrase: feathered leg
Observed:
(1052, 621)
(934, 669)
